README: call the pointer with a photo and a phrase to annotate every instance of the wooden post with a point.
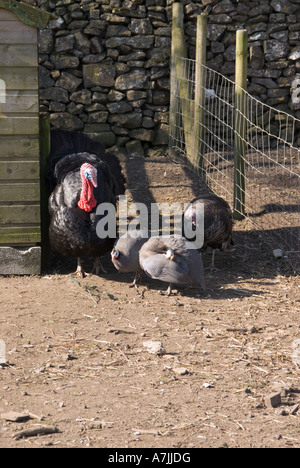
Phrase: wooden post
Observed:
(179, 75)
(45, 220)
(240, 124)
(200, 83)
(2, 95)
(173, 122)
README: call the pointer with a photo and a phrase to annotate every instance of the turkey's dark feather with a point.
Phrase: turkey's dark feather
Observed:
(218, 222)
(65, 143)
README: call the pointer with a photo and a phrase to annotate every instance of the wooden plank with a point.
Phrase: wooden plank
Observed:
(14, 147)
(18, 214)
(26, 102)
(20, 192)
(7, 15)
(20, 235)
(18, 78)
(45, 143)
(16, 32)
(19, 125)
(19, 170)
(18, 55)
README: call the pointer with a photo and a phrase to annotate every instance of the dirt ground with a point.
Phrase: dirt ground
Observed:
(77, 359)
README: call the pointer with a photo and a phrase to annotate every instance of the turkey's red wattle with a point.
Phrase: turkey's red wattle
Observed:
(87, 200)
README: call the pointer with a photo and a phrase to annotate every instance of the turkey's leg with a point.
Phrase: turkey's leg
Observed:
(98, 267)
(80, 272)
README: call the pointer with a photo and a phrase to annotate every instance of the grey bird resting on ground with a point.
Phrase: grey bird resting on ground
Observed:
(172, 260)
(125, 254)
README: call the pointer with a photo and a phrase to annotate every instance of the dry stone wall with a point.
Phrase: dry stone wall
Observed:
(104, 65)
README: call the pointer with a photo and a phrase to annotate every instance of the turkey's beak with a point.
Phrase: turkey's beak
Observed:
(94, 182)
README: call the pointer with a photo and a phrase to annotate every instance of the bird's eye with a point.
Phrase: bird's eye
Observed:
(115, 254)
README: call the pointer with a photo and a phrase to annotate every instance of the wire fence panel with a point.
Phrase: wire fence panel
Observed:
(272, 161)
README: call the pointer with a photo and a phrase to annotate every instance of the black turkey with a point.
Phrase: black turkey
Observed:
(81, 176)
(172, 260)
(218, 223)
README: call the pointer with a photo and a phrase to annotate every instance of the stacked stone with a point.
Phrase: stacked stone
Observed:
(104, 70)
(104, 64)
(274, 45)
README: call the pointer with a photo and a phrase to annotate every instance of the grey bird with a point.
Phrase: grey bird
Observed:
(218, 223)
(172, 260)
(125, 253)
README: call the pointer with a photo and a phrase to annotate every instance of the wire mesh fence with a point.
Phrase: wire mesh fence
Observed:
(271, 160)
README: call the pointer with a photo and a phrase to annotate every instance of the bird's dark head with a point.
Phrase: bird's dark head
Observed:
(89, 172)
(191, 215)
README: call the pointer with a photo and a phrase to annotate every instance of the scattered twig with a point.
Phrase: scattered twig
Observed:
(42, 430)
(111, 296)
(148, 431)
(261, 369)
(116, 331)
(92, 292)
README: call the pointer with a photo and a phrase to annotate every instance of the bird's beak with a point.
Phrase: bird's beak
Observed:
(171, 258)
(94, 182)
